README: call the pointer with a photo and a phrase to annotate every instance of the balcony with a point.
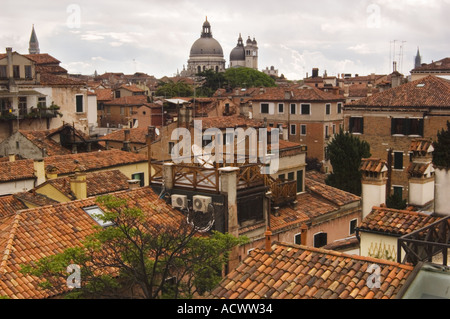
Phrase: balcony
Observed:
(32, 113)
(428, 244)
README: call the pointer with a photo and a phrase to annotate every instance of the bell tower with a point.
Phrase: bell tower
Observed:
(34, 43)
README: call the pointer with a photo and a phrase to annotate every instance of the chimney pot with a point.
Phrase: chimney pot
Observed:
(268, 235)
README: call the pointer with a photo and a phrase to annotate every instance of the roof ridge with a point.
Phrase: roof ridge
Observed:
(10, 242)
(339, 254)
(409, 212)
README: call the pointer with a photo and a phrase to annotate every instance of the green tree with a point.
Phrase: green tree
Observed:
(346, 152)
(396, 202)
(139, 258)
(441, 154)
(247, 77)
(174, 89)
(212, 81)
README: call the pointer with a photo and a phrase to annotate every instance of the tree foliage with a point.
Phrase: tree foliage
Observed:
(396, 202)
(346, 152)
(138, 258)
(247, 77)
(172, 89)
(441, 154)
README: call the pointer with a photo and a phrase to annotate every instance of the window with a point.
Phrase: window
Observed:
(282, 177)
(356, 125)
(3, 72)
(306, 109)
(171, 146)
(122, 110)
(398, 191)
(117, 94)
(320, 240)
(327, 133)
(22, 105)
(293, 129)
(42, 101)
(281, 108)
(264, 108)
(339, 108)
(299, 181)
(293, 109)
(139, 177)
(353, 224)
(328, 109)
(79, 104)
(298, 239)
(28, 74)
(16, 71)
(405, 126)
(291, 176)
(303, 129)
(398, 160)
(334, 129)
(228, 138)
(97, 213)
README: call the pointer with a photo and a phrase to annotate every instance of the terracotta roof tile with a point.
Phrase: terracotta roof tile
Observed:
(134, 100)
(35, 233)
(97, 183)
(137, 135)
(395, 222)
(430, 91)
(373, 165)
(321, 276)
(296, 94)
(9, 205)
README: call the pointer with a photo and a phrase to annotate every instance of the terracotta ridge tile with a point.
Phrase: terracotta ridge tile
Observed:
(10, 242)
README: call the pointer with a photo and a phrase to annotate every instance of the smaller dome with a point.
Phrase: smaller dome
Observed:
(237, 54)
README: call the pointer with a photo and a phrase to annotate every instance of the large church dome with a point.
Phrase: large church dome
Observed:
(238, 53)
(206, 45)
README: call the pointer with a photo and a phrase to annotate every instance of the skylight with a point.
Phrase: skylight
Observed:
(96, 213)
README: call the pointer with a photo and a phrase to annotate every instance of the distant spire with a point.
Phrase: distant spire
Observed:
(418, 60)
(34, 43)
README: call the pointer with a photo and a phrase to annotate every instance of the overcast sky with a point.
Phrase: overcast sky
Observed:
(294, 36)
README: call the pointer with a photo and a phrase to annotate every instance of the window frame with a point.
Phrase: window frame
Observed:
(79, 98)
(305, 105)
(264, 105)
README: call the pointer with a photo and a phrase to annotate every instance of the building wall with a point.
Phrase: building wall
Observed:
(369, 241)
(19, 145)
(51, 192)
(377, 132)
(16, 187)
(336, 226)
(442, 192)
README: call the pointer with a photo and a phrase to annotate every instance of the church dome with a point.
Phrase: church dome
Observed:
(238, 53)
(206, 45)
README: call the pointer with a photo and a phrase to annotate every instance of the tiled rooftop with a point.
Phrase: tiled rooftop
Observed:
(421, 145)
(35, 233)
(137, 135)
(310, 94)
(299, 272)
(9, 205)
(134, 100)
(395, 222)
(97, 183)
(441, 65)
(66, 164)
(430, 91)
(233, 121)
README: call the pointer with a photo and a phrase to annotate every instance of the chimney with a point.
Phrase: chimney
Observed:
(12, 157)
(421, 172)
(315, 72)
(133, 183)
(126, 141)
(39, 171)
(228, 182)
(268, 241)
(78, 184)
(374, 177)
(303, 235)
(51, 172)
(10, 72)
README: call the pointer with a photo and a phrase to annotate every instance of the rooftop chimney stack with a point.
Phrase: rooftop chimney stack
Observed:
(268, 242)
(374, 178)
(126, 141)
(78, 184)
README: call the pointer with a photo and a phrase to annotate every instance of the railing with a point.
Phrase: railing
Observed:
(206, 177)
(424, 243)
(33, 113)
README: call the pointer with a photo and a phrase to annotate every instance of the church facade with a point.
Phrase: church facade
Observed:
(207, 54)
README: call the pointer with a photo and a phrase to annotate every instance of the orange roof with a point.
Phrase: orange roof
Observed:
(134, 100)
(395, 222)
(299, 272)
(9, 205)
(137, 135)
(421, 145)
(430, 91)
(36, 233)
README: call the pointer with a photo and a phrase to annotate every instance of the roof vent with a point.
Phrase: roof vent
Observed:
(421, 85)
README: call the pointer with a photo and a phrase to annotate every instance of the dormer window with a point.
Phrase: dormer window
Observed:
(97, 214)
